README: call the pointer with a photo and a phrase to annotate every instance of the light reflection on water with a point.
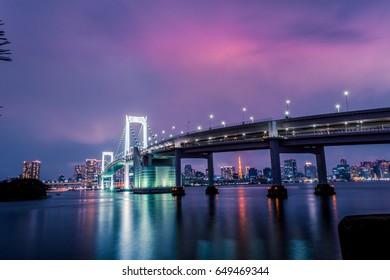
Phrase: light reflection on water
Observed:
(239, 223)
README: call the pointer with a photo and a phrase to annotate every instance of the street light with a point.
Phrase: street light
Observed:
(199, 127)
(287, 112)
(223, 123)
(211, 117)
(346, 99)
(338, 108)
(243, 115)
(173, 130)
(251, 118)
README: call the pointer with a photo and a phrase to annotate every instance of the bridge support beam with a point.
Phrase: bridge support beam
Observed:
(323, 187)
(211, 188)
(112, 182)
(277, 189)
(101, 177)
(126, 179)
(179, 189)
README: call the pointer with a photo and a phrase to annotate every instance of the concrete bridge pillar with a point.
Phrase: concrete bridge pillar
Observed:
(321, 166)
(211, 188)
(112, 182)
(323, 187)
(277, 189)
(179, 189)
(275, 162)
(126, 180)
(178, 157)
(101, 178)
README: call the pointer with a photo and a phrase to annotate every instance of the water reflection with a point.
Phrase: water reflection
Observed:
(238, 223)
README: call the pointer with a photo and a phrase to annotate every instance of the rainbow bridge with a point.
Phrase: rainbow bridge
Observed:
(157, 164)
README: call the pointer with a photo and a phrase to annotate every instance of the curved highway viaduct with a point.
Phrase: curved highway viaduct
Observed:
(308, 134)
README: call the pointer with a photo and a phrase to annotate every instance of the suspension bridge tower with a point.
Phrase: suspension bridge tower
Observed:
(128, 145)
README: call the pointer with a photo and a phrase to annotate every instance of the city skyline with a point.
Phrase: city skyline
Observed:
(89, 170)
(80, 68)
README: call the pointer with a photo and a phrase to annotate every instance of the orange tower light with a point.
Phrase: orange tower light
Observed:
(239, 168)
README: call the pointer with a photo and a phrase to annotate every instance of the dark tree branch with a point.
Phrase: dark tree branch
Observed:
(4, 41)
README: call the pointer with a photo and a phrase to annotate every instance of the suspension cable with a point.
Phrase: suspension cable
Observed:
(120, 143)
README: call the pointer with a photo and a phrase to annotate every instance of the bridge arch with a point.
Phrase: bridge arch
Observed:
(129, 121)
(127, 146)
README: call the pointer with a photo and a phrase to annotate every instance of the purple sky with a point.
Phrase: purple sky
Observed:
(80, 66)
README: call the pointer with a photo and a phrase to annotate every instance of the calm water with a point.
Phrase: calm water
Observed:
(239, 223)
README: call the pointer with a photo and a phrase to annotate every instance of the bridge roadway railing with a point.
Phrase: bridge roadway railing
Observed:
(228, 125)
(283, 133)
(362, 121)
(339, 131)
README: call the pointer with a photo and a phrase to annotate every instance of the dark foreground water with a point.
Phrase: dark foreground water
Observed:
(239, 223)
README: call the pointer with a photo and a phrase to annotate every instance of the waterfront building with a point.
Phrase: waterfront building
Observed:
(267, 173)
(188, 171)
(290, 169)
(93, 167)
(310, 171)
(252, 173)
(366, 170)
(31, 169)
(120, 174)
(384, 170)
(342, 171)
(79, 173)
(227, 172)
(247, 171)
(354, 169)
(61, 178)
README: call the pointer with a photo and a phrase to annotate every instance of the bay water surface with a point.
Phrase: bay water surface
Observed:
(238, 223)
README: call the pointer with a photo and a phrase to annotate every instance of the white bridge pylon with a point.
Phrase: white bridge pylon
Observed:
(143, 122)
(127, 148)
(111, 159)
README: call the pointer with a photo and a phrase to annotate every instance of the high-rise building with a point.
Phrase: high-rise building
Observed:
(247, 171)
(290, 169)
(376, 168)
(31, 169)
(61, 178)
(227, 172)
(354, 172)
(93, 167)
(366, 169)
(188, 171)
(310, 170)
(79, 173)
(252, 173)
(267, 173)
(342, 171)
(384, 170)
